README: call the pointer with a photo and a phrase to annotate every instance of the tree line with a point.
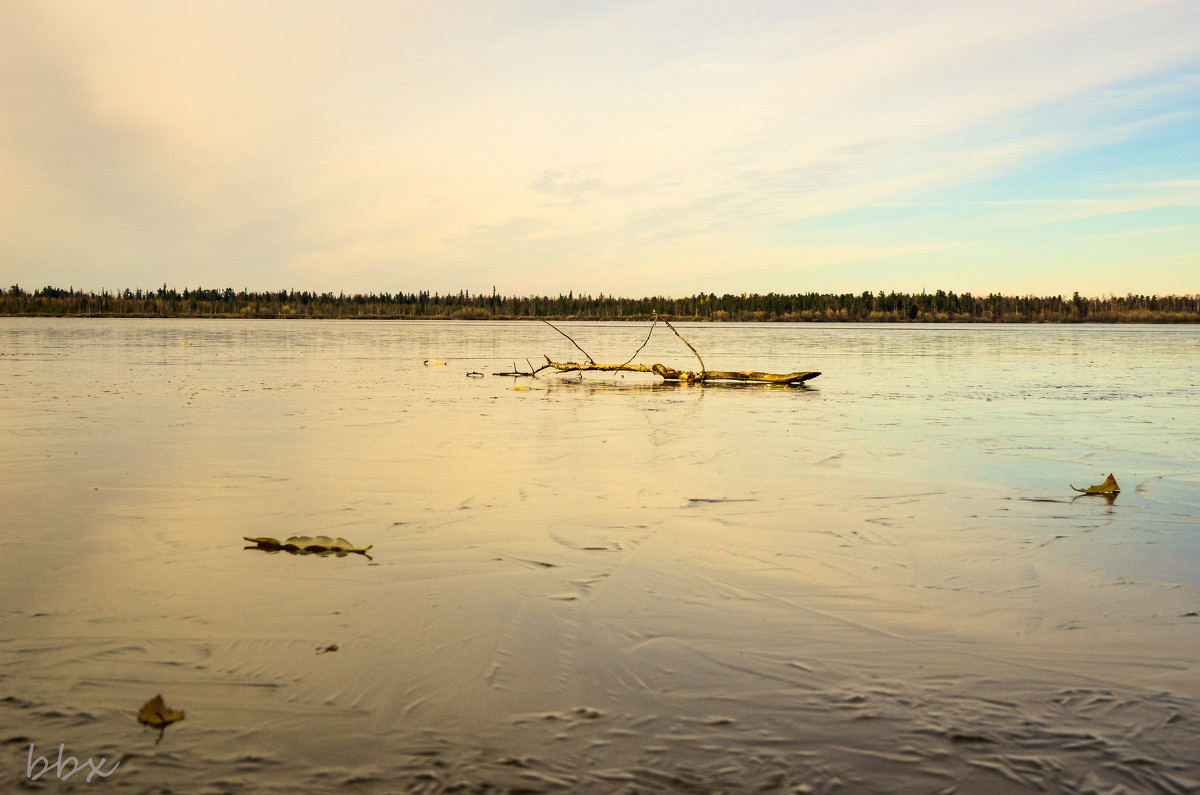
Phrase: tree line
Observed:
(935, 307)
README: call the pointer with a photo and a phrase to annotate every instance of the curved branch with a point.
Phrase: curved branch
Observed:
(685, 342)
(643, 345)
(573, 342)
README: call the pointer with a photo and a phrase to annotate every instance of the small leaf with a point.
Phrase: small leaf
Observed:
(157, 714)
(1109, 486)
(323, 544)
(304, 545)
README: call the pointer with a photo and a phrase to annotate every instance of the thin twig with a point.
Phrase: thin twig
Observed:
(685, 342)
(517, 373)
(639, 350)
(573, 342)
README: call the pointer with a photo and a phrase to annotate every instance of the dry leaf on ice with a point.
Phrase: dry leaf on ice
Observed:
(1109, 486)
(307, 545)
(157, 714)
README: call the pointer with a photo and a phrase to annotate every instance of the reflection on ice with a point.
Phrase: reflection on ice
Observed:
(878, 584)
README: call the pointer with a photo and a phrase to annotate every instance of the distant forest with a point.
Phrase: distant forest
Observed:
(938, 307)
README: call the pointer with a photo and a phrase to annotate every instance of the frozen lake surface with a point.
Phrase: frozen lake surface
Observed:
(878, 583)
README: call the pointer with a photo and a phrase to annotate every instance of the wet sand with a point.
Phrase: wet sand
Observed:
(880, 583)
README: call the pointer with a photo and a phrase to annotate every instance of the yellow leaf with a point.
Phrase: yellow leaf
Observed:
(157, 714)
(304, 545)
(434, 363)
(1109, 486)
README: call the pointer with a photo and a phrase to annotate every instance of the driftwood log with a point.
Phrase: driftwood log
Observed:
(667, 373)
(671, 374)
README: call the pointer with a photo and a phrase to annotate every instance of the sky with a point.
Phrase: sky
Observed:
(626, 147)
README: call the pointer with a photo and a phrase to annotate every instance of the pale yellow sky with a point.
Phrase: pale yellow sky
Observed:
(622, 147)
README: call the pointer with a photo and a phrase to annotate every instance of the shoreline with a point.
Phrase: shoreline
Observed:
(937, 307)
(1176, 319)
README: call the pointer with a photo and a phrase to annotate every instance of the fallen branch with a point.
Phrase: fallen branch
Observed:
(671, 374)
(666, 373)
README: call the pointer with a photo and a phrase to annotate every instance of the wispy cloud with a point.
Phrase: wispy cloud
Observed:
(631, 146)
